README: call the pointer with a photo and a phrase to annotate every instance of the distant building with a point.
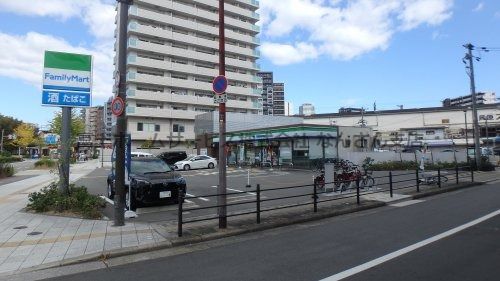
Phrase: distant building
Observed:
(108, 120)
(350, 110)
(306, 109)
(288, 108)
(273, 95)
(481, 98)
(94, 123)
(279, 99)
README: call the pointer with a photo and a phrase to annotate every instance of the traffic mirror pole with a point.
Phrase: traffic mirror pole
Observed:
(221, 189)
(121, 120)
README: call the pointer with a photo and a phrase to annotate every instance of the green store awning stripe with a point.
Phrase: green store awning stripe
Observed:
(67, 61)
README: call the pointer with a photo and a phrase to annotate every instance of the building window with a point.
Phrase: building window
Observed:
(157, 128)
(430, 133)
(178, 128)
(445, 121)
(139, 127)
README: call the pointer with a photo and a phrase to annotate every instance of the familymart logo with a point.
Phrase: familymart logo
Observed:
(69, 72)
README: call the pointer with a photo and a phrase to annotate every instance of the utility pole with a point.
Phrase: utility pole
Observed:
(221, 189)
(65, 150)
(121, 121)
(466, 138)
(475, 124)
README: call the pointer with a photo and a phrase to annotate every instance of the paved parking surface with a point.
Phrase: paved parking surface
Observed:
(202, 190)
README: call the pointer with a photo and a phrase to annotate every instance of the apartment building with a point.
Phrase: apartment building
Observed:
(306, 109)
(172, 58)
(273, 95)
(108, 120)
(94, 123)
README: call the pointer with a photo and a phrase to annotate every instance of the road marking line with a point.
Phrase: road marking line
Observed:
(406, 203)
(393, 255)
(237, 190)
(201, 198)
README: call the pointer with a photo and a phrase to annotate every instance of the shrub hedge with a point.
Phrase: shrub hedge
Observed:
(79, 201)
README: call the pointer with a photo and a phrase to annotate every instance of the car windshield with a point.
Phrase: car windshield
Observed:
(189, 157)
(149, 167)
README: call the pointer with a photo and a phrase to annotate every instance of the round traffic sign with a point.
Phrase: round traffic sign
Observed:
(219, 85)
(117, 106)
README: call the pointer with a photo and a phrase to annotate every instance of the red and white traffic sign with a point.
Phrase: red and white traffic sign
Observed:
(117, 106)
(219, 85)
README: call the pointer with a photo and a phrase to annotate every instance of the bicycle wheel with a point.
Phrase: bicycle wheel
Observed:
(368, 182)
(444, 178)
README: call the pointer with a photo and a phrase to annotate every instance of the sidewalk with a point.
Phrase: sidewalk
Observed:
(28, 239)
(33, 240)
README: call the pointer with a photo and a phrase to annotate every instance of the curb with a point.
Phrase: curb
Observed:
(445, 190)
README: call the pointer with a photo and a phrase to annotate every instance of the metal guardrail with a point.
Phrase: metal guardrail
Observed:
(459, 173)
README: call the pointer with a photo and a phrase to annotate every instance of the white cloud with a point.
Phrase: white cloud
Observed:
(343, 29)
(479, 7)
(22, 56)
(282, 54)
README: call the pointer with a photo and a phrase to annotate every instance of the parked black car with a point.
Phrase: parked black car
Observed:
(171, 157)
(150, 181)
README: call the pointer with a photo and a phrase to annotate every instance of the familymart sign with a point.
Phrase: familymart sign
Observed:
(67, 79)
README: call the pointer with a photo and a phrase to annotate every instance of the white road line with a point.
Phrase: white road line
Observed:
(201, 198)
(237, 190)
(406, 203)
(393, 255)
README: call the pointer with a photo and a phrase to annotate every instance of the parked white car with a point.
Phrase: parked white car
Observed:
(141, 154)
(196, 162)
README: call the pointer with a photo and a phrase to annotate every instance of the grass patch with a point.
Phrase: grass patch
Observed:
(79, 201)
(45, 163)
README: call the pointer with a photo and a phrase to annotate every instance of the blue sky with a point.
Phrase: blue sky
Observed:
(331, 53)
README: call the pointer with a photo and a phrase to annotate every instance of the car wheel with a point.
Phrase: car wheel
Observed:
(187, 167)
(211, 165)
(111, 192)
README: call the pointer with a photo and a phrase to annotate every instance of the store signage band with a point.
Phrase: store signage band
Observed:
(67, 80)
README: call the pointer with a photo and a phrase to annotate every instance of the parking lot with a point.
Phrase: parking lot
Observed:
(202, 190)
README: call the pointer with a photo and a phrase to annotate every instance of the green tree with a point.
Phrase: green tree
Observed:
(77, 125)
(25, 135)
(8, 124)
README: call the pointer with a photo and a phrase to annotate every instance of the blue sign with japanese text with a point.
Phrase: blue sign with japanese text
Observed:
(63, 98)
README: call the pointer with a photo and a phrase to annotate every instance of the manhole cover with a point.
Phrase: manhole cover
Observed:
(20, 227)
(34, 233)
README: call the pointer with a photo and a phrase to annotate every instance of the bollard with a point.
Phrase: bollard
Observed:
(472, 174)
(456, 172)
(315, 197)
(439, 177)
(357, 191)
(418, 180)
(258, 203)
(179, 213)
(390, 182)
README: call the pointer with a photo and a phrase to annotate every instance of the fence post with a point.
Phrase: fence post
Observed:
(471, 173)
(179, 213)
(315, 197)
(418, 180)
(390, 182)
(456, 172)
(439, 177)
(258, 203)
(357, 191)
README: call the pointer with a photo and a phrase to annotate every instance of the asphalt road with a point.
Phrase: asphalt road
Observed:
(322, 249)
(202, 188)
